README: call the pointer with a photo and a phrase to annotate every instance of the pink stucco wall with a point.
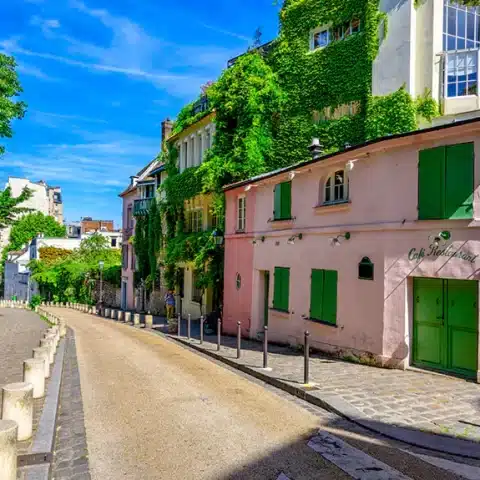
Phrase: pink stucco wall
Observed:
(128, 273)
(373, 317)
(238, 260)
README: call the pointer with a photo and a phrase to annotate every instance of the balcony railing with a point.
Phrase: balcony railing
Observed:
(460, 73)
(142, 206)
(201, 105)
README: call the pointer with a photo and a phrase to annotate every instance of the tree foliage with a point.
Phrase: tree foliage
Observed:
(9, 88)
(10, 207)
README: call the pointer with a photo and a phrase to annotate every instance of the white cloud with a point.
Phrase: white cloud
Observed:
(36, 72)
(226, 32)
(47, 25)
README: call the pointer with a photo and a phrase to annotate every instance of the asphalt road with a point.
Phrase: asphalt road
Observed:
(155, 410)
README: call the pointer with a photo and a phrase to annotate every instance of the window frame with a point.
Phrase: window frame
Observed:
(325, 185)
(241, 205)
(278, 302)
(335, 33)
(316, 31)
(280, 202)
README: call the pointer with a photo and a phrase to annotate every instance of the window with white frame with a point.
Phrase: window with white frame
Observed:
(196, 218)
(323, 36)
(336, 188)
(241, 213)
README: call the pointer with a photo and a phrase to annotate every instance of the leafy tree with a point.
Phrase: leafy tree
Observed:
(93, 247)
(9, 206)
(29, 226)
(9, 87)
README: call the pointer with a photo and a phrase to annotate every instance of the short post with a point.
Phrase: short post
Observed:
(179, 325)
(306, 359)
(189, 326)
(43, 354)
(48, 343)
(34, 373)
(201, 330)
(8, 449)
(239, 339)
(17, 405)
(265, 347)
(219, 333)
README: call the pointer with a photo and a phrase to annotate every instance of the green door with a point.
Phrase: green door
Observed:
(445, 325)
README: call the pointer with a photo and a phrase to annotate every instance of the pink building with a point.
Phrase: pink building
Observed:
(374, 250)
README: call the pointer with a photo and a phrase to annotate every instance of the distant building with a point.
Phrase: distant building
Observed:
(114, 237)
(89, 225)
(44, 199)
(74, 229)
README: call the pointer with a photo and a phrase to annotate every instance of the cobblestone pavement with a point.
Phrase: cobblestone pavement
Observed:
(417, 400)
(20, 333)
(70, 459)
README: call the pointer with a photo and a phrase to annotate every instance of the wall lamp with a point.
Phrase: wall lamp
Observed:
(441, 238)
(336, 241)
(291, 240)
(249, 187)
(259, 239)
(351, 165)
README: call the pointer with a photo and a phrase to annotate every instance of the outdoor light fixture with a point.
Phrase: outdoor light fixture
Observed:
(101, 264)
(336, 241)
(291, 240)
(217, 237)
(291, 175)
(350, 165)
(441, 238)
(249, 187)
(256, 240)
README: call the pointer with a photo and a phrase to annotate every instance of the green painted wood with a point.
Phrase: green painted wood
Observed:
(330, 296)
(286, 200)
(459, 182)
(277, 202)
(281, 288)
(431, 181)
(428, 322)
(267, 294)
(316, 294)
(462, 325)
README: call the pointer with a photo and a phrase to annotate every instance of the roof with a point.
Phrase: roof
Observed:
(388, 139)
(191, 127)
(158, 169)
(144, 172)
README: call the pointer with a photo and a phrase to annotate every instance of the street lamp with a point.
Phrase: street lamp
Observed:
(101, 264)
(218, 237)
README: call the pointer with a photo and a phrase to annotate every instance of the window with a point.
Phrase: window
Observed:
(365, 269)
(323, 296)
(125, 256)
(133, 265)
(129, 217)
(238, 281)
(149, 191)
(320, 38)
(281, 289)
(445, 182)
(461, 75)
(197, 220)
(196, 291)
(460, 26)
(336, 188)
(241, 212)
(323, 36)
(114, 242)
(282, 201)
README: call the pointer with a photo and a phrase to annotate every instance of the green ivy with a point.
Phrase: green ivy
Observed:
(186, 117)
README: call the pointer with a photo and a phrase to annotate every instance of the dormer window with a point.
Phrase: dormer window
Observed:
(336, 188)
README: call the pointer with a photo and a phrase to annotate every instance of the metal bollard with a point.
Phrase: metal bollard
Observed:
(219, 334)
(239, 339)
(179, 325)
(201, 329)
(306, 359)
(265, 347)
(189, 326)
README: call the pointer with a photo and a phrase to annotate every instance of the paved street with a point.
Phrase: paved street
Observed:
(155, 410)
(20, 332)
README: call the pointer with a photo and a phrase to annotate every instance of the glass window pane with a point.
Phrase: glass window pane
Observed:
(451, 43)
(452, 90)
(470, 44)
(471, 26)
(462, 89)
(461, 23)
(452, 21)
(472, 88)
(460, 43)
(339, 177)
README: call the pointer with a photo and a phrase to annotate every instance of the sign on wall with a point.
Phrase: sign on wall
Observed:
(440, 251)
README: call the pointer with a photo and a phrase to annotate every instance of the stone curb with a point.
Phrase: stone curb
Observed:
(333, 403)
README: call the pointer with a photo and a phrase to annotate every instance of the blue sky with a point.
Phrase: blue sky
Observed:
(100, 75)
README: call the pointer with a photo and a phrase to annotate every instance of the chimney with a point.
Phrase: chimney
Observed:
(316, 149)
(167, 126)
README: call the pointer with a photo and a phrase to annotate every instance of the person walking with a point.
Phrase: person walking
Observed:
(170, 304)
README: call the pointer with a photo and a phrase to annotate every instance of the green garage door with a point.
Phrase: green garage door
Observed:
(445, 320)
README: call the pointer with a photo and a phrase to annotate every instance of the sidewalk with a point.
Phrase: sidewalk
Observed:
(405, 405)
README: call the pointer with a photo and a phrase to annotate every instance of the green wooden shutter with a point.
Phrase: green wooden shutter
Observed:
(459, 181)
(316, 294)
(329, 313)
(286, 200)
(281, 288)
(277, 202)
(431, 181)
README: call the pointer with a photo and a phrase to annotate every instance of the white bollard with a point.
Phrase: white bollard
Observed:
(17, 405)
(34, 373)
(47, 342)
(43, 354)
(53, 336)
(8, 449)
(63, 327)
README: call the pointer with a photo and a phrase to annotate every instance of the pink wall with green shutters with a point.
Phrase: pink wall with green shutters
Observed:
(374, 318)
